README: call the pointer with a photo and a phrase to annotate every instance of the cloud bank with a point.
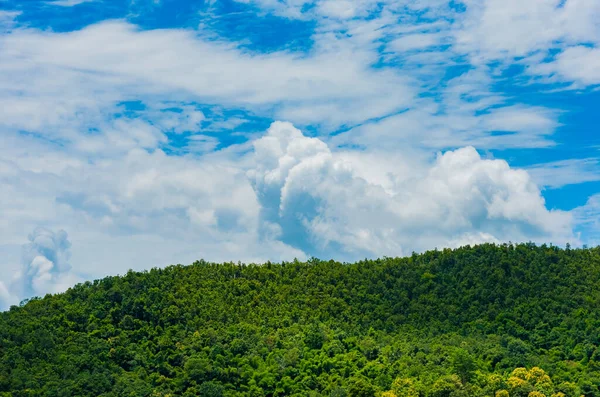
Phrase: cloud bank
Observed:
(148, 140)
(292, 196)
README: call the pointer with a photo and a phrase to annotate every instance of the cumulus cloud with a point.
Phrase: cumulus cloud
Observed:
(136, 209)
(293, 196)
(314, 197)
(46, 267)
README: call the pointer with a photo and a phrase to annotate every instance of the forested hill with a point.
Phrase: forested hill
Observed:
(476, 321)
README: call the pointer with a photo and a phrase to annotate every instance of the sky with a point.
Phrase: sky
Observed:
(143, 133)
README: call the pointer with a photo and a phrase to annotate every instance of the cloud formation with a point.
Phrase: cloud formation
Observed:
(292, 196)
(46, 267)
(116, 61)
(588, 219)
(6, 299)
(315, 198)
(496, 29)
(67, 3)
(557, 174)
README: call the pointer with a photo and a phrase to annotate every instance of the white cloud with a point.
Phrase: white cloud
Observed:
(286, 8)
(415, 41)
(344, 9)
(201, 144)
(45, 264)
(495, 29)
(7, 19)
(520, 118)
(557, 41)
(460, 125)
(140, 208)
(68, 3)
(113, 61)
(317, 199)
(588, 220)
(6, 298)
(487, 31)
(465, 111)
(557, 174)
(121, 135)
(579, 64)
(332, 85)
(133, 209)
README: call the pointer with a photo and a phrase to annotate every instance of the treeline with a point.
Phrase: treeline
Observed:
(489, 320)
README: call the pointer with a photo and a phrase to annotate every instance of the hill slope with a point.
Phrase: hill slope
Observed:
(441, 324)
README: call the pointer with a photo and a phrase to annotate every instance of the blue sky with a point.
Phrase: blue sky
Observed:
(140, 133)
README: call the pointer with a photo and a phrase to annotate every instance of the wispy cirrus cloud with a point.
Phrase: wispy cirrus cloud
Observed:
(560, 173)
(578, 65)
(68, 3)
(588, 220)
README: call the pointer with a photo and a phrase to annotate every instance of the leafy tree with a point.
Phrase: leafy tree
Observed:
(404, 387)
(464, 365)
(210, 389)
(361, 387)
(478, 321)
(447, 386)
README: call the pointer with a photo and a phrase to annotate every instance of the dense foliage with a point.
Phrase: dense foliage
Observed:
(509, 320)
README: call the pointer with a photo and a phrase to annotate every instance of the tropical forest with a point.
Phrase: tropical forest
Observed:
(488, 320)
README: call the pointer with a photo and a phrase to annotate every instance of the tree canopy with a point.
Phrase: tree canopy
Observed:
(489, 320)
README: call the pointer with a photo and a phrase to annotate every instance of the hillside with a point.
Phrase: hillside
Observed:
(475, 321)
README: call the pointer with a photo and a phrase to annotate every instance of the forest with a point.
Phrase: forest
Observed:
(511, 320)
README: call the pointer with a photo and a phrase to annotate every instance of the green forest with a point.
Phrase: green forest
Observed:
(488, 320)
